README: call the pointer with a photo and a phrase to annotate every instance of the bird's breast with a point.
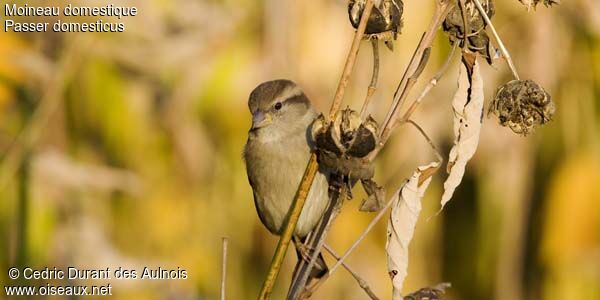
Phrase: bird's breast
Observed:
(275, 169)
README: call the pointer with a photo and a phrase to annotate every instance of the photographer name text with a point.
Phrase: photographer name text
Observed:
(73, 273)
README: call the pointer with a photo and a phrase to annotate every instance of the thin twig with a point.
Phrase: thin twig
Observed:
(361, 282)
(224, 268)
(429, 141)
(432, 83)
(505, 53)
(23, 209)
(312, 167)
(374, 78)
(315, 243)
(467, 30)
(403, 82)
(349, 66)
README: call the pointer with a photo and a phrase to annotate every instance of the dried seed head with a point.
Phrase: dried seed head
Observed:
(343, 143)
(522, 105)
(430, 293)
(475, 21)
(386, 17)
(477, 38)
(534, 3)
(550, 2)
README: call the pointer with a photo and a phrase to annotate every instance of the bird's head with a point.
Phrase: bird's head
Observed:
(278, 105)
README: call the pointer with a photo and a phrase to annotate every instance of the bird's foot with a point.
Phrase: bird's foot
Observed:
(304, 250)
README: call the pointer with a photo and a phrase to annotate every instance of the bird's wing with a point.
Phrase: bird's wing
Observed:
(260, 216)
(256, 201)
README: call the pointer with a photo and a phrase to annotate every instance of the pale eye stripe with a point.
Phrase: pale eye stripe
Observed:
(289, 92)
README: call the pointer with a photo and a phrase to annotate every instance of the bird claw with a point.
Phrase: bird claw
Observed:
(304, 250)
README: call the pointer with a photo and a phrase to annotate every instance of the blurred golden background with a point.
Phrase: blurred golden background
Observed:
(124, 149)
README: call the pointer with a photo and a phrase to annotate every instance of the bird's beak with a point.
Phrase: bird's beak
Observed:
(260, 119)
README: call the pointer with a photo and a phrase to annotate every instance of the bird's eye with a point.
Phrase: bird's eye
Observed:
(278, 106)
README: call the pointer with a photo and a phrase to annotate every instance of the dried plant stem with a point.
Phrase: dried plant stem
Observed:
(413, 71)
(361, 282)
(505, 53)
(467, 30)
(349, 66)
(432, 83)
(224, 267)
(316, 242)
(312, 167)
(374, 78)
(23, 209)
(429, 141)
(403, 82)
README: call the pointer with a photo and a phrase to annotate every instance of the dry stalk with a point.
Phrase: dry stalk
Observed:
(505, 53)
(438, 155)
(374, 77)
(312, 166)
(349, 66)
(432, 83)
(316, 242)
(467, 30)
(224, 267)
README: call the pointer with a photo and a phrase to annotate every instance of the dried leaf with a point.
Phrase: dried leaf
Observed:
(405, 213)
(375, 200)
(468, 112)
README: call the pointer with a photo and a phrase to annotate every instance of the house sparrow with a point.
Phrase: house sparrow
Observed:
(276, 152)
